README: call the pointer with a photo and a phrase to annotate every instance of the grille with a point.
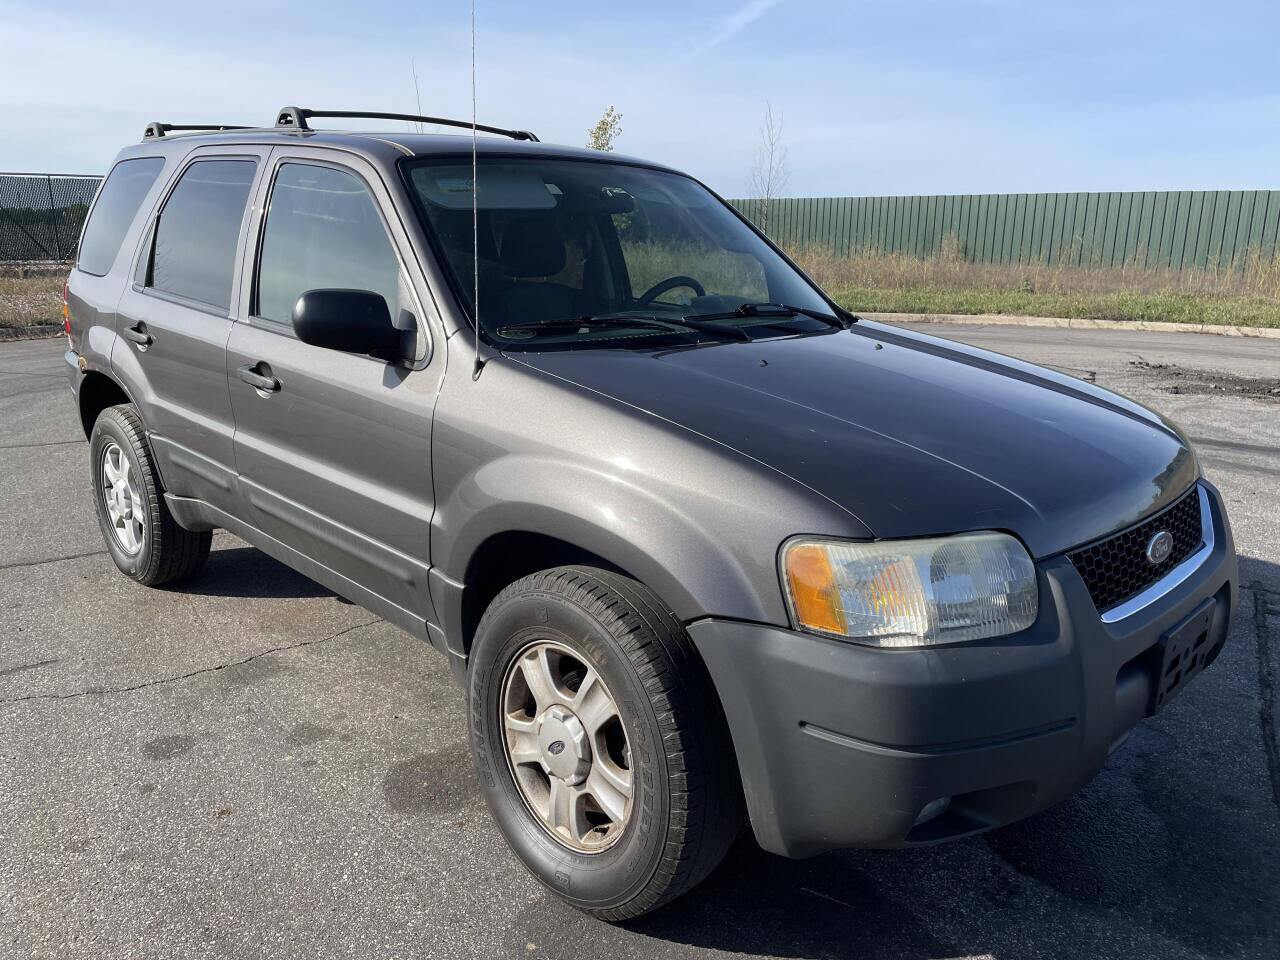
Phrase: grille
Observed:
(1117, 568)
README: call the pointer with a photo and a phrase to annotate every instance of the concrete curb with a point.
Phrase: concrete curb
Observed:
(1144, 326)
(40, 331)
(34, 268)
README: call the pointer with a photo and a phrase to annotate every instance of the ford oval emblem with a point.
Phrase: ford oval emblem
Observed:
(1159, 547)
(555, 748)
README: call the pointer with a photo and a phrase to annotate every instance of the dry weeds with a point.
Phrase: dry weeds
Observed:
(30, 300)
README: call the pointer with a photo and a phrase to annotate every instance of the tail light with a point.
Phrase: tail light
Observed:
(66, 313)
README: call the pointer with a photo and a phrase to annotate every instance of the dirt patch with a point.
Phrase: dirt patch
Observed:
(439, 782)
(168, 748)
(307, 734)
(1189, 380)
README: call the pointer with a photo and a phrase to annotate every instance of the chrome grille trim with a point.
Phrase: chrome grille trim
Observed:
(1174, 578)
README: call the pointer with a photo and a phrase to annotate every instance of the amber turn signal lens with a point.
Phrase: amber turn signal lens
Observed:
(912, 593)
(815, 597)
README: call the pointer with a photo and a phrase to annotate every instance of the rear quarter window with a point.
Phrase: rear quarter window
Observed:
(117, 205)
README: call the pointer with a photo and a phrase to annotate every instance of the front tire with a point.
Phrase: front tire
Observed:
(648, 796)
(142, 537)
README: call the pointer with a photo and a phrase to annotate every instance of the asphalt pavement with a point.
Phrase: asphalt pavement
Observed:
(248, 766)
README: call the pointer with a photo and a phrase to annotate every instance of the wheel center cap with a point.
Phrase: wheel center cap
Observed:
(566, 748)
(123, 505)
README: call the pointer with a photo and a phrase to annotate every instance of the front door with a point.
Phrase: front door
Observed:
(333, 448)
(175, 319)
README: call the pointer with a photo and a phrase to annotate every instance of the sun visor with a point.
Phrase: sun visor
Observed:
(501, 188)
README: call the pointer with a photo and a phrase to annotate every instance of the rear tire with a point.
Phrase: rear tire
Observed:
(673, 748)
(142, 537)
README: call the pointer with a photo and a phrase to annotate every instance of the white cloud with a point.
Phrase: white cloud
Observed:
(744, 16)
(730, 26)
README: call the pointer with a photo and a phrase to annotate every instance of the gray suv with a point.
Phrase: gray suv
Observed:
(698, 543)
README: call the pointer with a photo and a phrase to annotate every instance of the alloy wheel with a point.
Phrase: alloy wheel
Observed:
(567, 747)
(121, 492)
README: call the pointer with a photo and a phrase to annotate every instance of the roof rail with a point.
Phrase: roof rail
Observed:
(295, 118)
(156, 130)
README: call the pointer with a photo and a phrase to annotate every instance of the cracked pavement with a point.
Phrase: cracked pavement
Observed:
(247, 766)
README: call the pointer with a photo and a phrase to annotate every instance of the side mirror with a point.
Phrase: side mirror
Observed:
(356, 321)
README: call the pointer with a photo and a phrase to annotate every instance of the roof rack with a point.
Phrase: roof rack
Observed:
(295, 118)
(156, 130)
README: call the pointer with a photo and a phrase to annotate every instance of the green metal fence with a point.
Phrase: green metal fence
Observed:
(1175, 229)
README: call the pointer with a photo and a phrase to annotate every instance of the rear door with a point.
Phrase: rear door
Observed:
(175, 318)
(334, 458)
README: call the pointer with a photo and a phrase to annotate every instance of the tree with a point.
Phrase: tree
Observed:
(769, 172)
(607, 129)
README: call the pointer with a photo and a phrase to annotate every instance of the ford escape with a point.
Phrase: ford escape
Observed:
(700, 545)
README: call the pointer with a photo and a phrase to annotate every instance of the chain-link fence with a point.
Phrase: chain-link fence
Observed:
(41, 215)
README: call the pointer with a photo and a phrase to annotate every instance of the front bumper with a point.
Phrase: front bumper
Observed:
(842, 745)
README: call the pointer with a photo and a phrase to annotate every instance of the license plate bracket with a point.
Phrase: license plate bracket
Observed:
(1185, 651)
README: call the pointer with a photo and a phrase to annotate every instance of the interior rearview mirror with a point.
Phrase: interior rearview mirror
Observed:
(356, 321)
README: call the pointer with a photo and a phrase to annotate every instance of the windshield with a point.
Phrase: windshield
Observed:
(581, 252)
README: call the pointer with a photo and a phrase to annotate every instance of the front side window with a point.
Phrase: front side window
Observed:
(577, 251)
(122, 193)
(323, 232)
(197, 235)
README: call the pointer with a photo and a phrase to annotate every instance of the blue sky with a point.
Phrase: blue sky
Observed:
(878, 96)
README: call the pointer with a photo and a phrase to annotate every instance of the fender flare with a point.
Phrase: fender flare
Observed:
(96, 360)
(626, 524)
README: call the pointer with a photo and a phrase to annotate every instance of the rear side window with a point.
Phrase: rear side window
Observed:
(117, 205)
(194, 252)
(323, 231)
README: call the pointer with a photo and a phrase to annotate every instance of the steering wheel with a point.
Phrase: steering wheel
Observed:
(671, 283)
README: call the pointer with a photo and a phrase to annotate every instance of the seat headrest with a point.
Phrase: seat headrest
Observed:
(532, 247)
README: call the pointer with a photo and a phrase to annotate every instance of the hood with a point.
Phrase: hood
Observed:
(913, 435)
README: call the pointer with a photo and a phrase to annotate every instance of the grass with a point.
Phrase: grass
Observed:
(719, 270)
(26, 301)
(946, 283)
(894, 283)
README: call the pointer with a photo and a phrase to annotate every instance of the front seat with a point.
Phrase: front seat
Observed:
(532, 250)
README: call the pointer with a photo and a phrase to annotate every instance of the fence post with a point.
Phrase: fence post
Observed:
(53, 220)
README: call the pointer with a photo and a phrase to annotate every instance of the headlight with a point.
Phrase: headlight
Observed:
(911, 593)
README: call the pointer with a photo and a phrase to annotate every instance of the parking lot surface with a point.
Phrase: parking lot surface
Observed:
(248, 766)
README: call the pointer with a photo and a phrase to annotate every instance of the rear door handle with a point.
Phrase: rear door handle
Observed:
(138, 334)
(258, 380)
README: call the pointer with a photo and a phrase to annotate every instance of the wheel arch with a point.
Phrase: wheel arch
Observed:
(98, 391)
(513, 539)
(505, 557)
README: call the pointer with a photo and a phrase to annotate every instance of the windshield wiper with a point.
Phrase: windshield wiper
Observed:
(687, 323)
(675, 324)
(771, 310)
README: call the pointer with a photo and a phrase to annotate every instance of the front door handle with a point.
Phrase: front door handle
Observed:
(259, 381)
(138, 334)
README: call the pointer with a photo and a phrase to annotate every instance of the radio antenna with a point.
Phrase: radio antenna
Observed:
(475, 206)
